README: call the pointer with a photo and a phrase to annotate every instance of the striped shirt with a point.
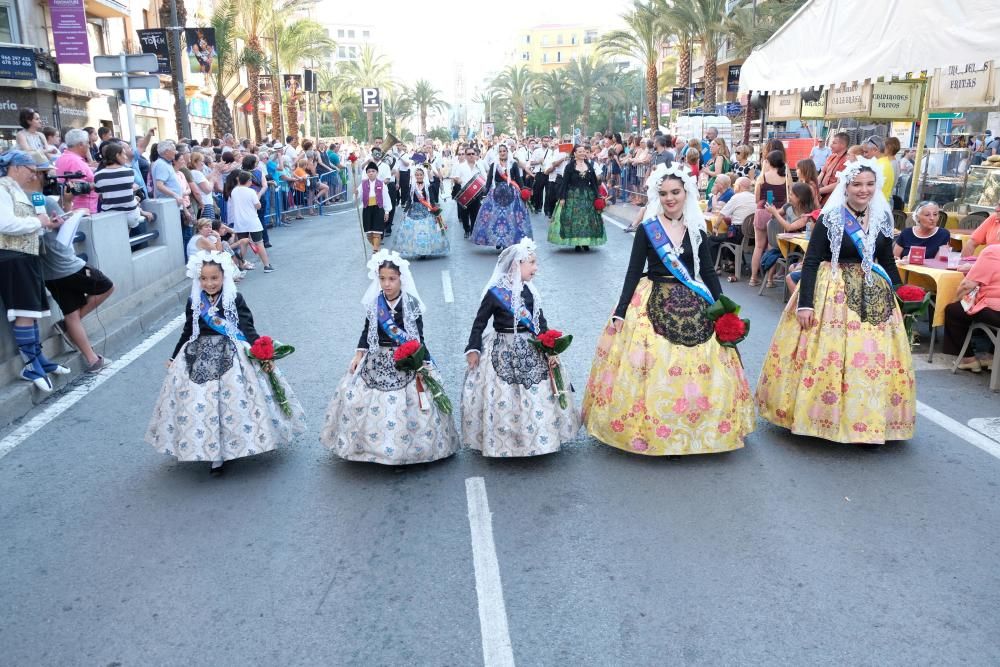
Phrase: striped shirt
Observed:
(115, 185)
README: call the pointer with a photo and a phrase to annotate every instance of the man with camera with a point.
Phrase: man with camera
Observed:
(72, 166)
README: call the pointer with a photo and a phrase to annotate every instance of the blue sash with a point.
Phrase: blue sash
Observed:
(856, 234)
(388, 324)
(665, 249)
(216, 323)
(506, 298)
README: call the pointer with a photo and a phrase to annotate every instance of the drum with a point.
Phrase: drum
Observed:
(474, 188)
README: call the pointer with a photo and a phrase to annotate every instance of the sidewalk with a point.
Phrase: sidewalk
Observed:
(622, 212)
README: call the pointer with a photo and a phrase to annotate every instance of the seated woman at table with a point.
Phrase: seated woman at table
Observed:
(925, 233)
(984, 277)
(987, 233)
(839, 365)
(795, 218)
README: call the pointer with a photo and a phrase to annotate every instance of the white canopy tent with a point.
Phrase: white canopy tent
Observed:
(832, 42)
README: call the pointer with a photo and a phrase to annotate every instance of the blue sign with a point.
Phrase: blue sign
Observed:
(17, 63)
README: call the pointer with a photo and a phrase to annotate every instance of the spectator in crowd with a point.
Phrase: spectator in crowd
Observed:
(926, 233)
(243, 206)
(977, 300)
(718, 162)
(820, 153)
(202, 184)
(874, 148)
(741, 205)
(52, 141)
(706, 144)
(115, 183)
(833, 166)
(743, 165)
(663, 155)
(892, 148)
(92, 139)
(805, 172)
(104, 134)
(693, 159)
(721, 193)
(291, 150)
(258, 183)
(987, 233)
(74, 161)
(992, 144)
(30, 137)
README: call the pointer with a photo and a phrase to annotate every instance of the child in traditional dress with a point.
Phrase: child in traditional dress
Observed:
(378, 413)
(376, 206)
(509, 407)
(216, 404)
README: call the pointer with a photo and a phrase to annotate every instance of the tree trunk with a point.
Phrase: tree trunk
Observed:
(586, 115)
(423, 120)
(338, 123)
(292, 112)
(683, 64)
(711, 76)
(652, 96)
(180, 105)
(222, 117)
(253, 76)
(277, 127)
(370, 122)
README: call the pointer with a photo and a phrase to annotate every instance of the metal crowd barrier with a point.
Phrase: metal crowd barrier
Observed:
(281, 199)
(633, 183)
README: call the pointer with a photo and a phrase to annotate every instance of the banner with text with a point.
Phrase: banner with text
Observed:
(155, 41)
(69, 31)
(896, 100)
(849, 100)
(816, 109)
(969, 86)
(783, 107)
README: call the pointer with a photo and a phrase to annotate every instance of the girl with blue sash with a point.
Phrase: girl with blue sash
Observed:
(216, 404)
(839, 366)
(508, 404)
(660, 383)
(422, 232)
(377, 413)
(503, 218)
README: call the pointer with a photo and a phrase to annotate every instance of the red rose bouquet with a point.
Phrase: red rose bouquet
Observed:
(730, 328)
(266, 351)
(525, 194)
(410, 356)
(913, 303)
(599, 204)
(551, 343)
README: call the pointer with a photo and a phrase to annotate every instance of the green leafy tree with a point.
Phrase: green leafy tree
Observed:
(704, 21)
(513, 89)
(424, 97)
(585, 76)
(640, 41)
(552, 92)
(371, 70)
(299, 41)
(226, 68)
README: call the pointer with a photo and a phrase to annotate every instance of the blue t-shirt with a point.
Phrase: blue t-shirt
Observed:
(907, 239)
(724, 197)
(272, 170)
(706, 152)
(334, 158)
(164, 171)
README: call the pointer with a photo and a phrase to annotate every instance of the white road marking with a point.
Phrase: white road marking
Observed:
(449, 293)
(614, 222)
(988, 445)
(497, 650)
(65, 402)
(988, 426)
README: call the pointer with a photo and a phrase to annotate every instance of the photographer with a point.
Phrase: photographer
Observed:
(73, 161)
(22, 288)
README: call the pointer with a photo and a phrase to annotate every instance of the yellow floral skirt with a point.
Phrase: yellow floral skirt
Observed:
(849, 378)
(664, 385)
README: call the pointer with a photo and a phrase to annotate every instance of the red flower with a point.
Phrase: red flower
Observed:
(405, 350)
(911, 293)
(815, 214)
(263, 348)
(730, 328)
(525, 194)
(549, 338)
(599, 204)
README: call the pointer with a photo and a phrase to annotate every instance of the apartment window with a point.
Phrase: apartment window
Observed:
(366, 34)
(559, 40)
(572, 40)
(340, 33)
(8, 24)
(341, 52)
(527, 39)
(558, 56)
(95, 35)
(353, 50)
(145, 19)
(545, 57)
(525, 55)
(350, 34)
(590, 37)
(545, 40)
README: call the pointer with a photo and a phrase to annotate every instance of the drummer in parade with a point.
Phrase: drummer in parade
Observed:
(465, 174)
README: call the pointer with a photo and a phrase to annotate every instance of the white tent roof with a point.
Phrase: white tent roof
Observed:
(831, 42)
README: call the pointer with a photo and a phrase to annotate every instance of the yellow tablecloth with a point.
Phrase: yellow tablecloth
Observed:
(716, 223)
(959, 239)
(786, 242)
(943, 282)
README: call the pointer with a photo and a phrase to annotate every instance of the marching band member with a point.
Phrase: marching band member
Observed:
(553, 169)
(466, 167)
(537, 163)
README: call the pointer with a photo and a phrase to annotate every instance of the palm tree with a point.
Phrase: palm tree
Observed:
(513, 88)
(552, 90)
(705, 21)
(586, 75)
(341, 97)
(180, 104)
(640, 41)
(227, 64)
(299, 41)
(425, 98)
(397, 108)
(252, 20)
(748, 26)
(372, 70)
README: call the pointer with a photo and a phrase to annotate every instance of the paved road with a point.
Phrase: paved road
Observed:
(790, 551)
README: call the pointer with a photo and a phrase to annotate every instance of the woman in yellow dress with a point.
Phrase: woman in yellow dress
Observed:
(661, 384)
(839, 366)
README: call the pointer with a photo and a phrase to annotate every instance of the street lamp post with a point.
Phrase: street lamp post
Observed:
(175, 38)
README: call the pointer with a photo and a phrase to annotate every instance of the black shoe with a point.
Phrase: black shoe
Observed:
(586, 248)
(267, 245)
(577, 248)
(217, 471)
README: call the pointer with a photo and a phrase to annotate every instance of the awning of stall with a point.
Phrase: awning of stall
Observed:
(832, 42)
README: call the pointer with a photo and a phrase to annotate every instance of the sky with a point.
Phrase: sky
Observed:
(425, 40)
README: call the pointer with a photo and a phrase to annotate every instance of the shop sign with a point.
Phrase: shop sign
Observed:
(679, 98)
(72, 111)
(12, 100)
(815, 109)
(69, 31)
(902, 131)
(155, 41)
(783, 107)
(733, 78)
(849, 100)
(16, 63)
(964, 87)
(896, 100)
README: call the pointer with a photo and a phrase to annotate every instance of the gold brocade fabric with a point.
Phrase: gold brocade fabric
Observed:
(650, 396)
(850, 377)
(26, 243)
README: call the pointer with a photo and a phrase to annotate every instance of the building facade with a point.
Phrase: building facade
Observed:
(552, 46)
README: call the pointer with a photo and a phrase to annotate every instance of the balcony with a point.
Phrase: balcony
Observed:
(106, 9)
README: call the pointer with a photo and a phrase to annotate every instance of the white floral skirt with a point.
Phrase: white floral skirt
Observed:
(508, 408)
(217, 405)
(375, 416)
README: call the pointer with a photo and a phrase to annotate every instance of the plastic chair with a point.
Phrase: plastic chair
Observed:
(739, 249)
(993, 333)
(972, 220)
(942, 218)
(773, 229)
(899, 219)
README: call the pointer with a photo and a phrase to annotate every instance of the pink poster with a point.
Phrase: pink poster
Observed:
(69, 28)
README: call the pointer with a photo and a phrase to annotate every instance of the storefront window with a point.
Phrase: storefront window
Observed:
(8, 26)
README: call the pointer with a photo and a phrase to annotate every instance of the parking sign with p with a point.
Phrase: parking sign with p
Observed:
(370, 99)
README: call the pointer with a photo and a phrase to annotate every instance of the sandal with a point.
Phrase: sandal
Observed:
(754, 283)
(770, 284)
